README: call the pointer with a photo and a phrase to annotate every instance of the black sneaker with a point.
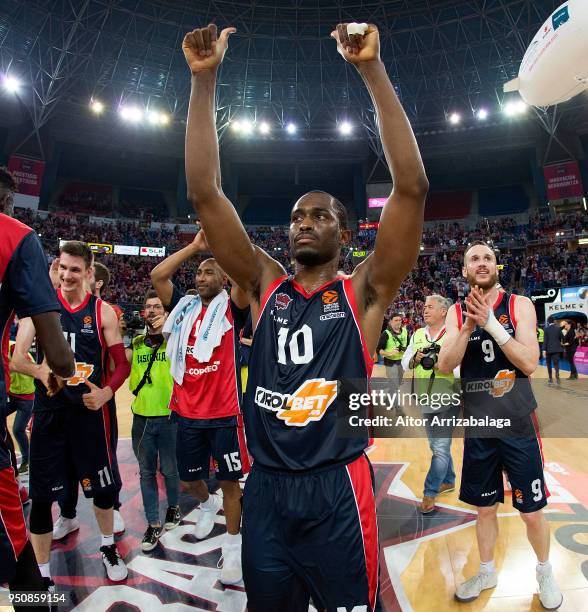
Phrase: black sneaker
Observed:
(23, 469)
(151, 538)
(172, 517)
(49, 587)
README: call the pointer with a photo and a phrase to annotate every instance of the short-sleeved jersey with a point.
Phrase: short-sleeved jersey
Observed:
(82, 328)
(25, 288)
(210, 390)
(304, 344)
(491, 384)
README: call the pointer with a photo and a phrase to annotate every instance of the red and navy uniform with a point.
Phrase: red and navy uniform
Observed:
(206, 406)
(493, 386)
(69, 442)
(309, 515)
(25, 287)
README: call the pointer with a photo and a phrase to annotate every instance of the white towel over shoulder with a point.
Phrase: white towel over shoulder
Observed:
(179, 324)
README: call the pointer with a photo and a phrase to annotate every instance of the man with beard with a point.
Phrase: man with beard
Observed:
(206, 393)
(153, 432)
(492, 336)
(309, 519)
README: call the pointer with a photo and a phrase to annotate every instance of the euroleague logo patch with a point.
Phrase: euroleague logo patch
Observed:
(282, 301)
(330, 297)
(503, 320)
(308, 403)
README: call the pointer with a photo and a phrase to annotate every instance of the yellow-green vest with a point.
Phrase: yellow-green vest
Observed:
(20, 384)
(540, 335)
(443, 383)
(153, 399)
(395, 341)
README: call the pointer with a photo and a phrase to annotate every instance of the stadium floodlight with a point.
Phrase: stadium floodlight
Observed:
(246, 127)
(236, 126)
(454, 118)
(482, 114)
(291, 128)
(345, 128)
(264, 128)
(133, 114)
(163, 118)
(96, 107)
(157, 118)
(512, 109)
(11, 84)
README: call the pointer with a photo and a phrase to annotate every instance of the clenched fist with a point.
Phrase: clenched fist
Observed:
(203, 49)
(357, 48)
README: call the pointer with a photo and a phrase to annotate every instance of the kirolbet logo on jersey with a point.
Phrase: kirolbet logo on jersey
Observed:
(308, 403)
(499, 386)
(83, 371)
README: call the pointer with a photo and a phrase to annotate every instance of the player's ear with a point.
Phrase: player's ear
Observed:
(464, 271)
(345, 237)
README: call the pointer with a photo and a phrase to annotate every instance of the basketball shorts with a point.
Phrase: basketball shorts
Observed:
(311, 535)
(13, 531)
(485, 459)
(69, 446)
(196, 445)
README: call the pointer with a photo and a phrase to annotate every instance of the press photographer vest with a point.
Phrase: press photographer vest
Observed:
(153, 399)
(395, 341)
(421, 383)
(20, 384)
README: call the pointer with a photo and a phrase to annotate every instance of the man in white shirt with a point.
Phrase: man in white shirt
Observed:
(421, 358)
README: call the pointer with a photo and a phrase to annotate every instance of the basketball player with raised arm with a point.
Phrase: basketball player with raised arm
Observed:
(492, 336)
(309, 517)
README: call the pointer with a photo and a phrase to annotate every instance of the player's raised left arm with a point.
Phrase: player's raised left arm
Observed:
(399, 235)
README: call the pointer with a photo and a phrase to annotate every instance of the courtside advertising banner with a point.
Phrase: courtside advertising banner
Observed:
(563, 181)
(152, 251)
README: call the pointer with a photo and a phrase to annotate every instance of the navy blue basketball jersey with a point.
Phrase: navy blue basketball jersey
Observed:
(82, 328)
(491, 384)
(25, 288)
(303, 345)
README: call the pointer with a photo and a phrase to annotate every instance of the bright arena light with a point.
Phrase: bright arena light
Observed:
(512, 109)
(291, 128)
(454, 118)
(131, 114)
(163, 118)
(345, 128)
(157, 118)
(482, 114)
(236, 126)
(96, 107)
(246, 127)
(11, 84)
(264, 128)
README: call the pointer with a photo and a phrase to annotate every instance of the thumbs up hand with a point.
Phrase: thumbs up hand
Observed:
(97, 396)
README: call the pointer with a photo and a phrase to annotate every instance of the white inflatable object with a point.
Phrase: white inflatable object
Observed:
(555, 66)
(357, 28)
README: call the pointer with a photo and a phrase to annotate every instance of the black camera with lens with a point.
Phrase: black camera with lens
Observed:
(430, 356)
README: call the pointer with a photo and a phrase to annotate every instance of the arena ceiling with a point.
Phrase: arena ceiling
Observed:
(442, 56)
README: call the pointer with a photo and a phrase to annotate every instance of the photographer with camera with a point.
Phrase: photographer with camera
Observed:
(421, 357)
(391, 347)
(153, 432)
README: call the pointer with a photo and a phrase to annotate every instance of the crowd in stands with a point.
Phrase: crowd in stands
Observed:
(524, 269)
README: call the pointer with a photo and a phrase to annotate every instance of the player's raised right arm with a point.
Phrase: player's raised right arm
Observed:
(226, 235)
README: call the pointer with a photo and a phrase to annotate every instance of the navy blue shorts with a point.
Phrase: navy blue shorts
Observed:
(71, 445)
(484, 460)
(311, 535)
(195, 445)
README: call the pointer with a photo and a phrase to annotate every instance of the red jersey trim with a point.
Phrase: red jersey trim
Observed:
(350, 295)
(459, 315)
(511, 310)
(498, 300)
(68, 307)
(268, 292)
(298, 287)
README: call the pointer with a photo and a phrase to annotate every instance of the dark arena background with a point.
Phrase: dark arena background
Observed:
(93, 105)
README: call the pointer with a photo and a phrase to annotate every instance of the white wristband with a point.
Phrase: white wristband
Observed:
(495, 329)
(357, 28)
